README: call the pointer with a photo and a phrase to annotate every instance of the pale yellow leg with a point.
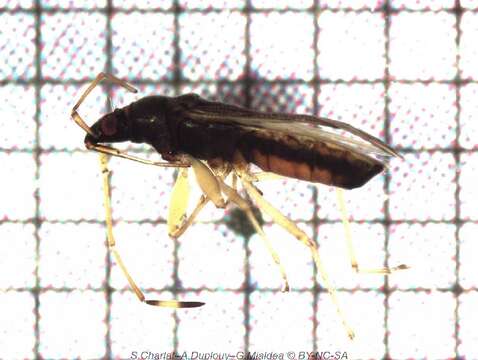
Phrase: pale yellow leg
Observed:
(244, 205)
(212, 185)
(112, 248)
(189, 221)
(350, 247)
(205, 177)
(207, 181)
(292, 228)
(178, 205)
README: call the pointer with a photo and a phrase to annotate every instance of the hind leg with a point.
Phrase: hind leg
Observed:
(213, 186)
(293, 229)
(350, 247)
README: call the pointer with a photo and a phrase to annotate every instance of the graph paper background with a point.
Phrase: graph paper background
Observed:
(402, 70)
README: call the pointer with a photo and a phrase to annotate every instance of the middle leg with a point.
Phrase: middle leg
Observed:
(213, 186)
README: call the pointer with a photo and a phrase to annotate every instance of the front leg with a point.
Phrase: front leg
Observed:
(112, 248)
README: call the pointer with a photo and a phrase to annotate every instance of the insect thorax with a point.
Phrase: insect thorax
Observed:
(148, 119)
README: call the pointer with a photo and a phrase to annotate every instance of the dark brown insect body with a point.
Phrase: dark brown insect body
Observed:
(287, 145)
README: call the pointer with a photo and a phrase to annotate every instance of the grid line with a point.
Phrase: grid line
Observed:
(457, 289)
(387, 176)
(37, 152)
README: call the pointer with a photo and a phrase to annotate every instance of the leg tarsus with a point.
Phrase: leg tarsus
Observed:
(188, 222)
(350, 247)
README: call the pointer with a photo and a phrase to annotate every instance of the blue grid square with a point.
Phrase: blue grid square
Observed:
(469, 108)
(17, 319)
(431, 180)
(212, 45)
(270, 56)
(422, 325)
(143, 4)
(143, 45)
(17, 46)
(205, 242)
(468, 50)
(81, 315)
(17, 246)
(342, 40)
(71, 46)
(138, 327)
(468, 190)
(284, 317)
(469, 4)
(77, 193)
(18, 127)
(289, 98)
(16, 4)
(72, 256)
(217, 327)
(423, 116)
(429, 250)
(212, 4)
(468, 336)
(282, 4)
(352, 4)
(433, 5)
(428, 54)
(18, 187)
(70, 4)
(467, 250)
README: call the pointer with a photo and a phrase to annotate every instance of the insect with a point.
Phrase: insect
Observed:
(220, 142)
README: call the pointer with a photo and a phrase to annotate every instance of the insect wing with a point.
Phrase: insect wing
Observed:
(304, 127)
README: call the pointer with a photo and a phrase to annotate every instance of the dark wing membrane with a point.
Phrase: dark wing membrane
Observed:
(303, 126)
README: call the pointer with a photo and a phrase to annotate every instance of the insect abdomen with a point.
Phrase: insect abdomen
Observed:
(314, 162)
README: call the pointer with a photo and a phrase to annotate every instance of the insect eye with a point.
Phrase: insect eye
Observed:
(108, 125)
